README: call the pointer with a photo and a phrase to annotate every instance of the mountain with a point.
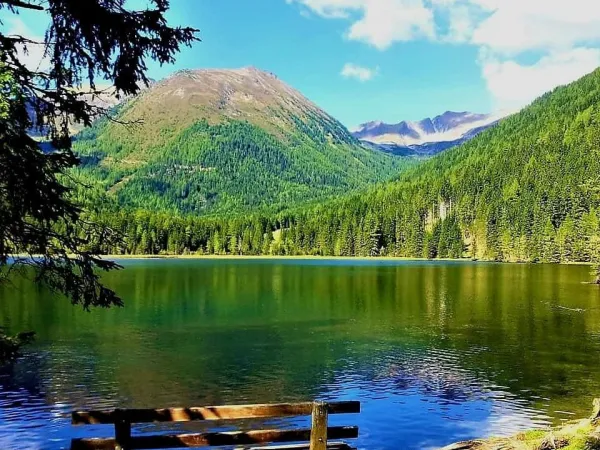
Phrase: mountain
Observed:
(428, 136)
(525, 190)
(207, 141)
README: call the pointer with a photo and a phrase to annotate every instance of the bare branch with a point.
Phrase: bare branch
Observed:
(17, 38)
(20, 4)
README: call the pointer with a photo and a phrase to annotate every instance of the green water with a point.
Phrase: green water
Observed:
(435, 351)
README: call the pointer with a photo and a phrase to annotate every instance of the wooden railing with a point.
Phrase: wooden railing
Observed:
(318, 437)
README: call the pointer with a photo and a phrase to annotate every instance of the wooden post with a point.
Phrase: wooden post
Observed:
(122, 434)
(318, 432)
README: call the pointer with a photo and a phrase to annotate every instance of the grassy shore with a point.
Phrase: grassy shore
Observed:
(578, 435)
(309, 257)
(317, 258)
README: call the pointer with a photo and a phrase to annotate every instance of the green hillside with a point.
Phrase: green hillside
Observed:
(527, 190)
(219, 141)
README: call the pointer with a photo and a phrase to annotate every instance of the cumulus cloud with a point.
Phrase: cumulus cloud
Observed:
(379, 23)
(509, 26)
(515, 26)
(387, 21)
(513, 85)
(565, 35)
(358, 72)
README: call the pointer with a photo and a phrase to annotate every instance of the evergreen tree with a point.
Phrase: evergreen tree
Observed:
(86, 40)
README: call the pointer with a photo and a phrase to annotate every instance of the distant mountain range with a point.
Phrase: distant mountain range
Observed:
(428, 136)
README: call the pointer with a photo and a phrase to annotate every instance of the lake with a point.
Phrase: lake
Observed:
(435, 351)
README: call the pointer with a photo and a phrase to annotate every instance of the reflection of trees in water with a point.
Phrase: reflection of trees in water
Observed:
(21, 376)
(435, 374)
(221, 332)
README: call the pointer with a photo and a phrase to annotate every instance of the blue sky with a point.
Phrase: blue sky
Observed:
(391, 60)
(413, 80)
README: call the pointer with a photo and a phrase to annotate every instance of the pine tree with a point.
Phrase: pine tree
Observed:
(86, 40)
(443, 242)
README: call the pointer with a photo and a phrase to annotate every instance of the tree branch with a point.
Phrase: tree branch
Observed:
(18, 39)
(20, 4)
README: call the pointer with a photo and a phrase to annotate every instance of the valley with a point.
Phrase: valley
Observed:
(524, 190)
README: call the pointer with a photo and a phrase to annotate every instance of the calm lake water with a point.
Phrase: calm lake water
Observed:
(435, 351)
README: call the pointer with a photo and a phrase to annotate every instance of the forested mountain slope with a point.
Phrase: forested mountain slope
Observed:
(208, 141)
(525, 190)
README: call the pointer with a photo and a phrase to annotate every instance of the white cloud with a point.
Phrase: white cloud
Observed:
(513, 85)
(379, 23)
(489, 5)
(358, 72)
(565, 34)
(508, 26)
(31, 55)
(387, 21)
(515, 26)
(460, 28)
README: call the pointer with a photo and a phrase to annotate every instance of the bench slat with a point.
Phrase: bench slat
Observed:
(213, 439)
(208, 413)
(330, 446)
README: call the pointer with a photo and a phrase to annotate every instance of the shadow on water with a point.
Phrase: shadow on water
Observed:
(435, 351)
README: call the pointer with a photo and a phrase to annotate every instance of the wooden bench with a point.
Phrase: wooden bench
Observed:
(315, 438)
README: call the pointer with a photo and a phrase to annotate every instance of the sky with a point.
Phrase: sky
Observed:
(389, 60)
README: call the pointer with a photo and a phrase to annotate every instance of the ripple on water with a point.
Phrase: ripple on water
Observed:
(401, 389)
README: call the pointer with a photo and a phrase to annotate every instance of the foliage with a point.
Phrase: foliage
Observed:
(10, 345)
(231, 166)
(86, 40)
(580, 435)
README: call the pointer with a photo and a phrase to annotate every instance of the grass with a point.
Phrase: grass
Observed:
(579, 435)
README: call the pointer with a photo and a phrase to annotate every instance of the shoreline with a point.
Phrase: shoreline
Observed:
(112, 257)
(291, 257)
(581, 434)
(329, 258)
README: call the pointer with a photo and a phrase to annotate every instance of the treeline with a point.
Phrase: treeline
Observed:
(322, 233)
(527, 190)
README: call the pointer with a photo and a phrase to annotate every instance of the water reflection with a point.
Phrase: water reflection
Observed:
(435, 351)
